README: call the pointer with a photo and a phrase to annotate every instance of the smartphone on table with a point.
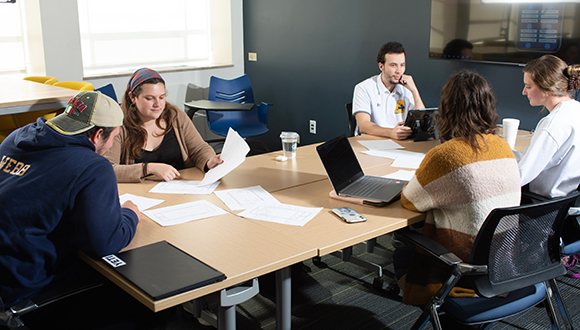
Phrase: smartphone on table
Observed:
(349, 215)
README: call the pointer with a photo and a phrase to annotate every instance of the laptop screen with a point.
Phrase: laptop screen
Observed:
(340, 162)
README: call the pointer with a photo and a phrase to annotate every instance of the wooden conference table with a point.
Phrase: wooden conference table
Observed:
(20, 95)
(243, 248)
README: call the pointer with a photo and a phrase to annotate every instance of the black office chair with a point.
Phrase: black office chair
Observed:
(571, 235)
(351, 119)
(517, 250)
(54, 292)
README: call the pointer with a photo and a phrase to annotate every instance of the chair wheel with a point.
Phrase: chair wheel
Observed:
(378, 283)
(393, 289)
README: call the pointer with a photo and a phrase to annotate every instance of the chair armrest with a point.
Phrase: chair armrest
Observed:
(444, 255)
(535, 196)
(433, 248)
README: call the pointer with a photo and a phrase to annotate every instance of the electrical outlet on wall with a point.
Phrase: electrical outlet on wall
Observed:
(312, 126)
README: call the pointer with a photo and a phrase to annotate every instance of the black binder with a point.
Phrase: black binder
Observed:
(162, 270)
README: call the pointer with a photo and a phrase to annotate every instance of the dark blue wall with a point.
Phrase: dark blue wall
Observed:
(311, 54)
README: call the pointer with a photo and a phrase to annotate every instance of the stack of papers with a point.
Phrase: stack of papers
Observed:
(261, 205)
(257, 202)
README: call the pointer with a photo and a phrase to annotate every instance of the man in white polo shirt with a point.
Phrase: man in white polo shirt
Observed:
(380, 103)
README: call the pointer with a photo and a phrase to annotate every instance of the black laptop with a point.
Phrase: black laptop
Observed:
(162, 270)
(347, 177)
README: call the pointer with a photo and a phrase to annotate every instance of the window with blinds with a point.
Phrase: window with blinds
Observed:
(119, 36)
(12, 39)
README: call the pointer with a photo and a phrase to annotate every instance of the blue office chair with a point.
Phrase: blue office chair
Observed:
(246, 123)
(108, 90)
(517, 250)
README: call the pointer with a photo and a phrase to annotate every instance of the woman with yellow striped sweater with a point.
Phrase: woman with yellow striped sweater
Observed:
(458, 183)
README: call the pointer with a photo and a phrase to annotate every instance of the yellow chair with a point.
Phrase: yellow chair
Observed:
(4, 134)
(7, 125)
(42, 79)
(25, 118)
(7, 122)
(78, 85)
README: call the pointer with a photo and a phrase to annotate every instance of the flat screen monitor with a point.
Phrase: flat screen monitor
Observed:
(508, 32)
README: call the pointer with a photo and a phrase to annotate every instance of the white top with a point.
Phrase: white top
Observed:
(551, 164)
(385, 108)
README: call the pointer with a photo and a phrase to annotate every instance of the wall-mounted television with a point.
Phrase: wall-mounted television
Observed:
(508, 32)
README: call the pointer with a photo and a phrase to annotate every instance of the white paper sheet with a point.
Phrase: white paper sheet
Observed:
(281, 213)
(402, 158)
(408, 161)
(182, 213)
(400, 175)
(380, 144)
(392, 154)
(233, 154)
(184, 187)
(143, 203)
(241, 199)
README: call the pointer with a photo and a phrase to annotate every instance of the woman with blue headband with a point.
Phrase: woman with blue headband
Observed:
(157, 138)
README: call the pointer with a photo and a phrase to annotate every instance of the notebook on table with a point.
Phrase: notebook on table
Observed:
(347, 177)
(162, 270)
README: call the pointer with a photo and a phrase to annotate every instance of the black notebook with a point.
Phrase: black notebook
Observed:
(162, 270)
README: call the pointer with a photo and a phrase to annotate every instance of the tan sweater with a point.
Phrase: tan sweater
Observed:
(194, 150)
(457, 188)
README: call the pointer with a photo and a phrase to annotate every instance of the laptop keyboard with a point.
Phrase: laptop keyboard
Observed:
(366, 187)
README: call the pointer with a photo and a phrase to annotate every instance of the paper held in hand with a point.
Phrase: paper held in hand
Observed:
(233, 154)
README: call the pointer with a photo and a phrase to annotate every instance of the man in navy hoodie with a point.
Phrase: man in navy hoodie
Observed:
(59, 195)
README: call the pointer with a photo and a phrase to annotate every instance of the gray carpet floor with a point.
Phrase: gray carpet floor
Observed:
(340, 295)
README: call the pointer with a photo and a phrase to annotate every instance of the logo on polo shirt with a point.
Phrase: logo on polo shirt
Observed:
(400, 107)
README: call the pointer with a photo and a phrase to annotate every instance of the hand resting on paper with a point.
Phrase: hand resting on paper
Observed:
(163, 171)
(131, 206)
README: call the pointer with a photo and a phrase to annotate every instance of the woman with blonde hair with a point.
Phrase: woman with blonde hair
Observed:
(550, 165)
(157, 138)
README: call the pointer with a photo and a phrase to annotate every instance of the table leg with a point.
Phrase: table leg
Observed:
(231, 297)
(283, 299)
(226, 319)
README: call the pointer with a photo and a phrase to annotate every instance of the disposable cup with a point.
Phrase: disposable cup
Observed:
(510, 130)
(289, 143)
